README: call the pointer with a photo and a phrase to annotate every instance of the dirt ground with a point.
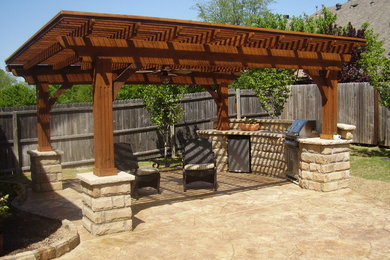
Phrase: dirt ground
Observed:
(25, 231)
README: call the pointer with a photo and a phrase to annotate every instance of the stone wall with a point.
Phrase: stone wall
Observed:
(268, 154)
(324, 164)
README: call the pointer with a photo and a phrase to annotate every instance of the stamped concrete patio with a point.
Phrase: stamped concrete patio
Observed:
(250, 217)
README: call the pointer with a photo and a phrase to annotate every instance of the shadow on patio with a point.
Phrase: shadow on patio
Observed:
(172, 187)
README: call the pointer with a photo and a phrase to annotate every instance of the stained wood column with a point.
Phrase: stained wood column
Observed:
(327, 83)
(223, 107)
(102, 118)
(43, 117)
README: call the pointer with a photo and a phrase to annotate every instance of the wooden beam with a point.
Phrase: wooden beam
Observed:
(174, 53)
(43, 55)
(213, 94)
(66, 62)
(58, 93)
(75, 75)
(43, 117)
(121, 79)
(327, 83)
(103, 118)
(223, 107)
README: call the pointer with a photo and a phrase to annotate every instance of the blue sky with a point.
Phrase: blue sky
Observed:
(20, 19)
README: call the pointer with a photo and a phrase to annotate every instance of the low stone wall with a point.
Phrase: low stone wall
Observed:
(54, 250)
(268, 155)
(324, 164)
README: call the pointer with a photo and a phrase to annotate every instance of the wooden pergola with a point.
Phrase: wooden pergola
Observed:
(108, 51)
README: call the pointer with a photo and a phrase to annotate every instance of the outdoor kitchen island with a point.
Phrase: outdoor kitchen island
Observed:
(323, 165)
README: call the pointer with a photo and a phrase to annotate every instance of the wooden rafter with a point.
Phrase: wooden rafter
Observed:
(43, 55)
(172, 53)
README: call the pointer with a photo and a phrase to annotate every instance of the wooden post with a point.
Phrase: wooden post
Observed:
(43, 117)
(223, 107)
(102, 118)
(327, 83)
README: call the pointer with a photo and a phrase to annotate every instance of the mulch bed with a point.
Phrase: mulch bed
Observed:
(25, 231)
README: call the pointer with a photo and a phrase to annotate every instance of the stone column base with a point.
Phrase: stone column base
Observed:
(106, 203)
(324, 165)
(46, 170)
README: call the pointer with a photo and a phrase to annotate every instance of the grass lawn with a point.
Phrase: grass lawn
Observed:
(371, 163)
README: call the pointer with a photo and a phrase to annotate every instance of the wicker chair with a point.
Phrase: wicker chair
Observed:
(199, 163)
(126, 161)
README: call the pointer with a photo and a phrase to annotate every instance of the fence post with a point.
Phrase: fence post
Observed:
(16, 141)
(238, 103)
(173, 141)
(376, 117)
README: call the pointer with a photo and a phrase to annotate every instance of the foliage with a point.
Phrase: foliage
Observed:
(130, 92)
(236, 12)
(6, 79)
(162, 102)
(4, 209)
(76, 94)
(270, 86)
(377, 66)
(17, 95)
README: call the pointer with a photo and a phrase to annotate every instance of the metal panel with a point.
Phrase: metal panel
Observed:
(239, 153)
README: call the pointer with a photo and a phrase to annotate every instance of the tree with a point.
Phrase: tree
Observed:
(236, 12)
(17, 95)
(270, 86)
(376, 65)
(6, 79)
(162, 102)
(76, 94)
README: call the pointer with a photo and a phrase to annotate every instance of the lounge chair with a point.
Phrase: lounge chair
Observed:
(199, 163)
(144, 177)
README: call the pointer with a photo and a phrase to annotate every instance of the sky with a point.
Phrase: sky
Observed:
(20, 19)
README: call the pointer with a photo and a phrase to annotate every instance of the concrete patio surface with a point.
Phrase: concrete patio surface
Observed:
(250, 217)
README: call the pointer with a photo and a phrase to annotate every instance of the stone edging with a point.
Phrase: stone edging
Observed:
(54, 250)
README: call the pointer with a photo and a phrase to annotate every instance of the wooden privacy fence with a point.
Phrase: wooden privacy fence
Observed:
(357, 105)
(72, 126)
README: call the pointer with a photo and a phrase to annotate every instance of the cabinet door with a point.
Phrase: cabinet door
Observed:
(239, 153)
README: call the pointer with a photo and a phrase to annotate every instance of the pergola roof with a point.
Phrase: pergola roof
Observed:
(63, 51)
(111, 50)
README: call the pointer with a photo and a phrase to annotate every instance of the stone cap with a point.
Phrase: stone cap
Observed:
(319, 141)
(92, 179)
(239, 132)
(346, 127)
(267, 120)
(36, 153)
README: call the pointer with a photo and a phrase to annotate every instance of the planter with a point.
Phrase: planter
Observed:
(249, 127)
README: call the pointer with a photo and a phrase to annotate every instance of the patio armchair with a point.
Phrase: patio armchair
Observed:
(199, 163)
(126, 161)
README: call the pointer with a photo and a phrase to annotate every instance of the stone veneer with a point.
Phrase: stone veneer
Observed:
(268, 154)
(324, 165)
(46, 170)
(106, 203)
